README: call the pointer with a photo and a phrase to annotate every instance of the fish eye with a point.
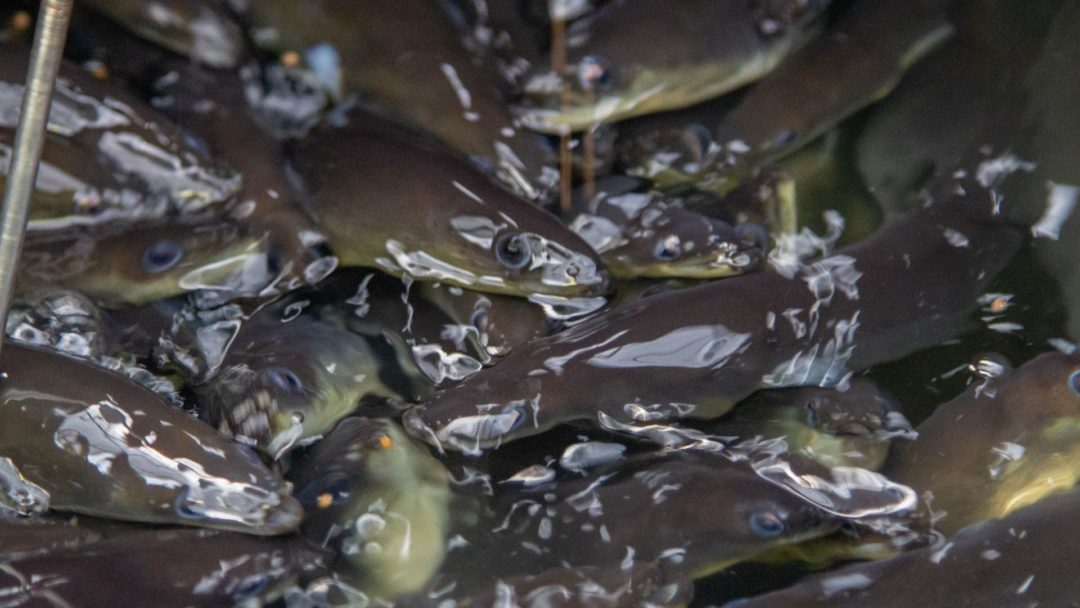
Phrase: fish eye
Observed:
(812, 407)
(325, 491)
(668, 248)
(1074, 382)
(784, 139)
(251, 587)
(162, 256)
(752, 236)
(284, 379)
(513, 251)
(697, 139)
(480, 319)
(595, 73)
(767, 524)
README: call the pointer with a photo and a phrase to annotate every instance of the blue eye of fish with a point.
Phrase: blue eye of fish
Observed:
(1074, 382)
(767, 524)
(251, 587)
(697, 139)
(162, 256)
(594, 73)
(513, 251)
(668, 248)
(752, 236)
(284, 379)
(326, 491)
(480, 319)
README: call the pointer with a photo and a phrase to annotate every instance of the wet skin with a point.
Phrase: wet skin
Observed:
(858, 62)
(110, 156)
(1008, 442)
(101, 445)
(696, 352)
(648, 510)
(852, 427)
(385, 49)
(205, 568)
(286, 381)
(664, 56)
(502, 323)
(649, 235)
(26, 536)
(352, 182)
(137, 265)
(215, 106)
(201, 30)
(378, 499)
(1025, 559)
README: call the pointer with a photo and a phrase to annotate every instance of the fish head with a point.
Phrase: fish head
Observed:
(524, 253)
(635, 58)
(285, 383)
(143, 265)
(669, 241)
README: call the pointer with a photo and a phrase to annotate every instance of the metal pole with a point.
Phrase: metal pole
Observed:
(49, 39)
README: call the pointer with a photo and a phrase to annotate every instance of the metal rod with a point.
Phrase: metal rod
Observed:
(49, 39)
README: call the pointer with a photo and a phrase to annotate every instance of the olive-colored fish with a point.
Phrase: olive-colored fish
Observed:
(202, 30)
(99, 444)
(289, 377)
(857, 62)
(645, 234)
(635, 57)
(1008, 442)
(380, 501)
(851, 427)
(383, 50)
(1023, 560)
(136, 265)
(233, 114)
(203, 568)
(467, 231)
(646, 511)
(108, 155)
(696, 352)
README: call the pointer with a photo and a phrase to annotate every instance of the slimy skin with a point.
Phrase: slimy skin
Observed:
(467, 231)
(96, 443)
(697, 351)
(663, 56)
(1008, 442)
(1024, 559)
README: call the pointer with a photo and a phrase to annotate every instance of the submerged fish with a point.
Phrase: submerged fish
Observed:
(382, 50)
(200, 29)
(850, 427)
(136, 265)
(467, 231)
(1025, 559)
(634, 57)
(201, 568)
(857, 62)
(696, 352)
(380, 501)
(98, 444)
(107, 155)
(648, 510)
(1008, 441)
(288, 377)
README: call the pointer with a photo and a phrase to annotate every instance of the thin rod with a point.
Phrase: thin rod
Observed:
(49, 39)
